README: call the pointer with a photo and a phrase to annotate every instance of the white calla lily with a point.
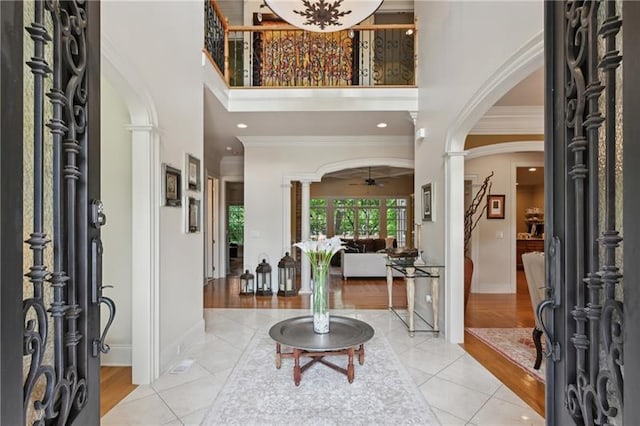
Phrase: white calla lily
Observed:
(320, 250)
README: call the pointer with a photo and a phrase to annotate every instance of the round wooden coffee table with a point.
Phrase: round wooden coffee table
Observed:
(347, 336)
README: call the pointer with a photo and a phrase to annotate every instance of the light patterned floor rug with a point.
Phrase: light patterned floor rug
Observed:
(258, 393)
(516, 344)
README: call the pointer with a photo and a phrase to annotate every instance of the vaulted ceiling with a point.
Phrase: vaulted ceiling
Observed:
(221, 131)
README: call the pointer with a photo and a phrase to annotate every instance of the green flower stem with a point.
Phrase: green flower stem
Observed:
(320, 293)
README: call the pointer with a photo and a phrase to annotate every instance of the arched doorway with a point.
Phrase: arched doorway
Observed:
(144, 214)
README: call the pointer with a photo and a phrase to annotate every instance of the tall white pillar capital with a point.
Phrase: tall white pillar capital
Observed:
(144, 128)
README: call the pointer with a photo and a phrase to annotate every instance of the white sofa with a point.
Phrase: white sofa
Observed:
(365, 265)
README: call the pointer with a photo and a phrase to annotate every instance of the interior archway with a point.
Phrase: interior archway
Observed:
(144, 213)
(522, 63)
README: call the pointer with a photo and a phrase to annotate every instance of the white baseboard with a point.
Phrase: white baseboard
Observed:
(172, 352)
(493, 288)
(119, 355)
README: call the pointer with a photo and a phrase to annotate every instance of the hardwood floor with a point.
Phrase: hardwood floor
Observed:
(115, 384)
(344, 294)
(483, 310)
(497, 311)
(514, 309)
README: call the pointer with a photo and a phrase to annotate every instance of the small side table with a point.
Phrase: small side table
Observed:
(411, 271)
(347, 336)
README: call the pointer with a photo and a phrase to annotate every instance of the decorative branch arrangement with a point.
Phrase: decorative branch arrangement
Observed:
(471, 216)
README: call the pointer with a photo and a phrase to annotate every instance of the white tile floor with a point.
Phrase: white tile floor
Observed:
(459, 389)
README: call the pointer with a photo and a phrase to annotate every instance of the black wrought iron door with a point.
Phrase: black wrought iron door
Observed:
(591, 169)
(54, 142)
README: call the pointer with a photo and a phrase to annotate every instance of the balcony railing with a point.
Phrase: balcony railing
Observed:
(280, 55)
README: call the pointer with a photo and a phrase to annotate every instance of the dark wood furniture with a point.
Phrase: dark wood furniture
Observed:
(346, 336)
(526, 246)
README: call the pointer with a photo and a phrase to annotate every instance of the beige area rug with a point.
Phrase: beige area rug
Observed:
(258, 393)
(516, 344)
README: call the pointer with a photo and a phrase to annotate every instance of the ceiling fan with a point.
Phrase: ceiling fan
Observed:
(369, 181)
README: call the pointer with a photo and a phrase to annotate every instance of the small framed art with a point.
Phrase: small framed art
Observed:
(495, 206)
(193, 173)
(428, 214)
(193, 215)
(172, 186)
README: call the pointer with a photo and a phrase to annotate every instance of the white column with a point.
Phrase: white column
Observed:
(222, 229)
(305, 267)
(454, 247)
(286, 217)
(145, 179)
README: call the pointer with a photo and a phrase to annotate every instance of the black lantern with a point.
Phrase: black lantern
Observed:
(246, 283)
(287, 276)
(263, 281)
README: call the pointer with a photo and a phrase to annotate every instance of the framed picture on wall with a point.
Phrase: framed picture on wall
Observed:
(172, 186)
(193, 215)
(495, 206)
(193, 173)
(428, 214)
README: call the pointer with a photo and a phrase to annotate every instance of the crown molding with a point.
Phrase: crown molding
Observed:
(505, 148)
(511, 120)
(325, 141)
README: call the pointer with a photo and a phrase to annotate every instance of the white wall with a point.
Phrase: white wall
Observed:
(265, 215)
(461, 45)
(170, 61)
(115, 177)
(493, 244)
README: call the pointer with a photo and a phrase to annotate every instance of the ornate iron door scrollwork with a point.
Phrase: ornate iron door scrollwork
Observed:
(56, 387)
(586, 286)
(594, 395)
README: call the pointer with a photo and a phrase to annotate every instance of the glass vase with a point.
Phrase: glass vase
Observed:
(320, 299)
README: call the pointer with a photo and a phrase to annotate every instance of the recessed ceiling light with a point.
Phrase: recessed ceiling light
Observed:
(228, 148)
(532, 169)
(382, 125)
(241, 126)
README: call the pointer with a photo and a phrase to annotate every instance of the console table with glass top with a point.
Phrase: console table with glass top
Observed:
(412, 270)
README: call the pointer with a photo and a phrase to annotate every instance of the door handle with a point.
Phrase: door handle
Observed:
(99, 345)
(553, 298)
(549, 351)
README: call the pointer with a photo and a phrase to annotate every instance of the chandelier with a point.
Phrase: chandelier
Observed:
(323, 15)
